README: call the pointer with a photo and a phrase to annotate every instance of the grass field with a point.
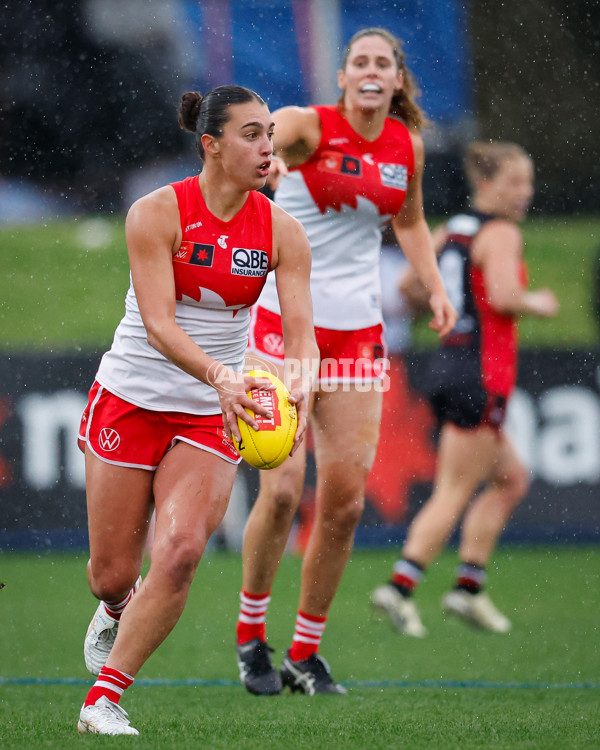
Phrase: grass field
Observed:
(64, 283)
(537, 687)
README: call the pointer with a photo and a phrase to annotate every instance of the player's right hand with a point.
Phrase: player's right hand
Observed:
(277, 170)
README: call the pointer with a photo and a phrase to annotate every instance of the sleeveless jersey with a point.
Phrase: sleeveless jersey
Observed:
(343, 194)
(480, 330)
(220, 269)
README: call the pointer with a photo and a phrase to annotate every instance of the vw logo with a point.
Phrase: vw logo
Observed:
(109, 439)
(273, 344)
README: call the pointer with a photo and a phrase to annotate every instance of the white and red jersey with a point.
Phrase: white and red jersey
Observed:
(220, 269)
(343, 195)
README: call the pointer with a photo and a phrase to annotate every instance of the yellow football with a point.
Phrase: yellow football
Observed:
(271, 444)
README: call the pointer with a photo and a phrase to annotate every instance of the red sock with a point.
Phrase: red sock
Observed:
(115, 609)
(307, 636)
(110, 683)
(253, 613)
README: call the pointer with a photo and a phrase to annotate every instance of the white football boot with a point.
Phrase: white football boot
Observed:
(100, 637)
(104, 717)
(476, 610)
(401, 610)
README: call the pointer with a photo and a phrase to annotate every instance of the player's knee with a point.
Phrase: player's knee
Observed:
(283, 501)
(350, 515)
(111, 580)
(285, 504)
(342, 517)
(178, 556)
(516, 486)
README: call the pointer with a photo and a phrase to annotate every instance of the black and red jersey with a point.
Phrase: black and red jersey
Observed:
(480, 329)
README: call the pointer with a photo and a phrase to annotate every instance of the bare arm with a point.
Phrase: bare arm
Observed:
(498, 251)
(296, 137)
(153, 233)
(411, 287)
(413, 291)
(415, 240)
(293, 288)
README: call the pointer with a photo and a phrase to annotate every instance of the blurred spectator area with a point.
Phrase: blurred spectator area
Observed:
(88, 91)
(89, 87)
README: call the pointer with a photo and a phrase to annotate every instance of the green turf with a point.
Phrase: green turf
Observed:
(562, 254)
(226, 718)
(537, 687)
(64, 283)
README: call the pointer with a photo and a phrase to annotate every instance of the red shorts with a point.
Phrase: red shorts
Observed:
(126, 435)
(346, 356)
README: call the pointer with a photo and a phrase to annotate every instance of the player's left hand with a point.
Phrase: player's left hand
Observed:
(444, 314)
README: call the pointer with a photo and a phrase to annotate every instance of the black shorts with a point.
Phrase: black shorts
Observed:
(455, 390)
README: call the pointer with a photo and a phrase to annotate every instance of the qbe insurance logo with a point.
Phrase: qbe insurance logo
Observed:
(249, 262)
(394, 176)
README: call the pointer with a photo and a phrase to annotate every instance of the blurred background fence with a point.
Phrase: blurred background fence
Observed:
(555, 420)
(88, 95)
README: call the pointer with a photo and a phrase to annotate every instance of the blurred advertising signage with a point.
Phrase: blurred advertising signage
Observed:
(554, 421)
(554, 418)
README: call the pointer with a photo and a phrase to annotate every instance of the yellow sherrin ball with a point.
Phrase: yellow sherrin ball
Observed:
(271, 444)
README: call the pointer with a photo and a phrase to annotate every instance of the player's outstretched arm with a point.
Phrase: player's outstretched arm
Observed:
(499, 253)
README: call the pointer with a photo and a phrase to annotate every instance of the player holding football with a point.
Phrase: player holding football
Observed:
(352, 168)
(469, 380)
(157, 429)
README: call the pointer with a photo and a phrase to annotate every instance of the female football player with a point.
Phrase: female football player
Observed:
(344, 172)
(161, 414)
(470, 378)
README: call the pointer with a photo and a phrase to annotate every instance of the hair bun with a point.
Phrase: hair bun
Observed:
(188, 110)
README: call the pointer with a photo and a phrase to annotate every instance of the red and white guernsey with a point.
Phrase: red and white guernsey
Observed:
(220, 270)
(343, 194)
